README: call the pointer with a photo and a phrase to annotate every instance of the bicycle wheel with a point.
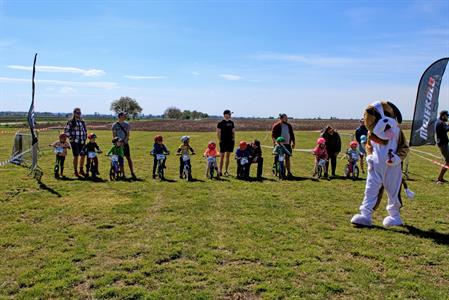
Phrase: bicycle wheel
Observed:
(111, 173)
(319, 171)
(160, 170)
(355, 172)
(281, 170)
(211, 170)
(346, 172)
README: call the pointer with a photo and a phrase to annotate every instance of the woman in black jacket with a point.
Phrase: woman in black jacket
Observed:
(333, 146)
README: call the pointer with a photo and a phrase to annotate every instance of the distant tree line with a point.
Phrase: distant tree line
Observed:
(176, 113)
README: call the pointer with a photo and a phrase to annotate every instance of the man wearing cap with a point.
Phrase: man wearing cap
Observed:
(442, 128)
(121, 129)
(284, 129)
(226, 137)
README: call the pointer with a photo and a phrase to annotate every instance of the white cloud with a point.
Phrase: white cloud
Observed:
(143, 77)
(55, 69)
(89, 84)
(231, 77)
(196, 73)
(67, 90)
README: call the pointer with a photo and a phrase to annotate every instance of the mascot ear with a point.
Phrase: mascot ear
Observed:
(397, 112)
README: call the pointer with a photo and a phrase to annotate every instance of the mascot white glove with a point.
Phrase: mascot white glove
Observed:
(395, 160)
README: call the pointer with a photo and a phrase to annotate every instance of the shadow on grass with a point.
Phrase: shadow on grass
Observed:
(196, 180)
(45, 187)
(437, 237)
(296, 178)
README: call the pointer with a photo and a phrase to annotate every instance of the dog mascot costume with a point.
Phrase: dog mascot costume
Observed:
(386, 148)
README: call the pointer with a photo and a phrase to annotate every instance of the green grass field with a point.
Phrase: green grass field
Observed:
(215, 239)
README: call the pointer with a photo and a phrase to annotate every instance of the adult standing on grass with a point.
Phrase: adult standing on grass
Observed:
(226, 137)
(442, 128)
(121, 129)
(361, 130)
(284, 129)
(333, 147)
(76, 130)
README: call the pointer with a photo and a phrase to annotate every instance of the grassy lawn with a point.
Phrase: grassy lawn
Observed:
(215, 239)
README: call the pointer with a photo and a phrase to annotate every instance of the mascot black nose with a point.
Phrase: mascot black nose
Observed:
(385, 120)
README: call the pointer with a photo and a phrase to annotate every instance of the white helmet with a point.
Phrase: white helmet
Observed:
(185, 138)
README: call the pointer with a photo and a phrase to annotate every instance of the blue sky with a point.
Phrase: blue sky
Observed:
(306, 58)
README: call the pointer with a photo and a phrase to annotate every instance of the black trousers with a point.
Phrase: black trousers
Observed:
(241, 171)
(333, 159)
(155, 164)
(60, 163)
(259, 162)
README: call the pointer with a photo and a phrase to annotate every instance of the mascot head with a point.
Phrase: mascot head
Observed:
(382, 119)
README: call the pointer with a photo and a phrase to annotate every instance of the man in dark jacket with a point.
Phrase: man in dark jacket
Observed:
(284, 129)
(333, 147)
(443, 142)
(361, 130)
(256, 157)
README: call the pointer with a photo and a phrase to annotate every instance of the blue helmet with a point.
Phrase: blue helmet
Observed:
(185, 138)
(363, 139)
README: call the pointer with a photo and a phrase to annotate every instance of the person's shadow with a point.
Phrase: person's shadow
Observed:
(437, 237)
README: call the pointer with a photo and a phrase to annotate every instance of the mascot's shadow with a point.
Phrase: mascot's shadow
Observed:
(437, 237)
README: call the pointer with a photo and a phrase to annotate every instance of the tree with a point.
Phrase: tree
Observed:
(127, 105)
(173, 113)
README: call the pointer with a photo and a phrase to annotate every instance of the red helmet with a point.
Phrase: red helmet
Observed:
(321, 141)
(353, 144)
(63, 136)
(91, 136)
(243, 145)
(211, 145)
(158, 138)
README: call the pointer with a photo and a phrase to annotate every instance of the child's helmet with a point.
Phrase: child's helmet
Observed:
(321, 141)
(158, 138)
(63, 136)
(91, 136)
(243, 145)
(116, 140)
(280, 139)
(353, 144)
(363, 139)
(185, 138)
(211, 145)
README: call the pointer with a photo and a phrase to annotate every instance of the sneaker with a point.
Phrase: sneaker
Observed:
(82, 173)
(154, 176)
(133, 176)
(439, 182)
(226, 174)
(76, 174)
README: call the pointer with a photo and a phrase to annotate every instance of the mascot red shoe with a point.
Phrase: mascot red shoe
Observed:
(386, 148)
